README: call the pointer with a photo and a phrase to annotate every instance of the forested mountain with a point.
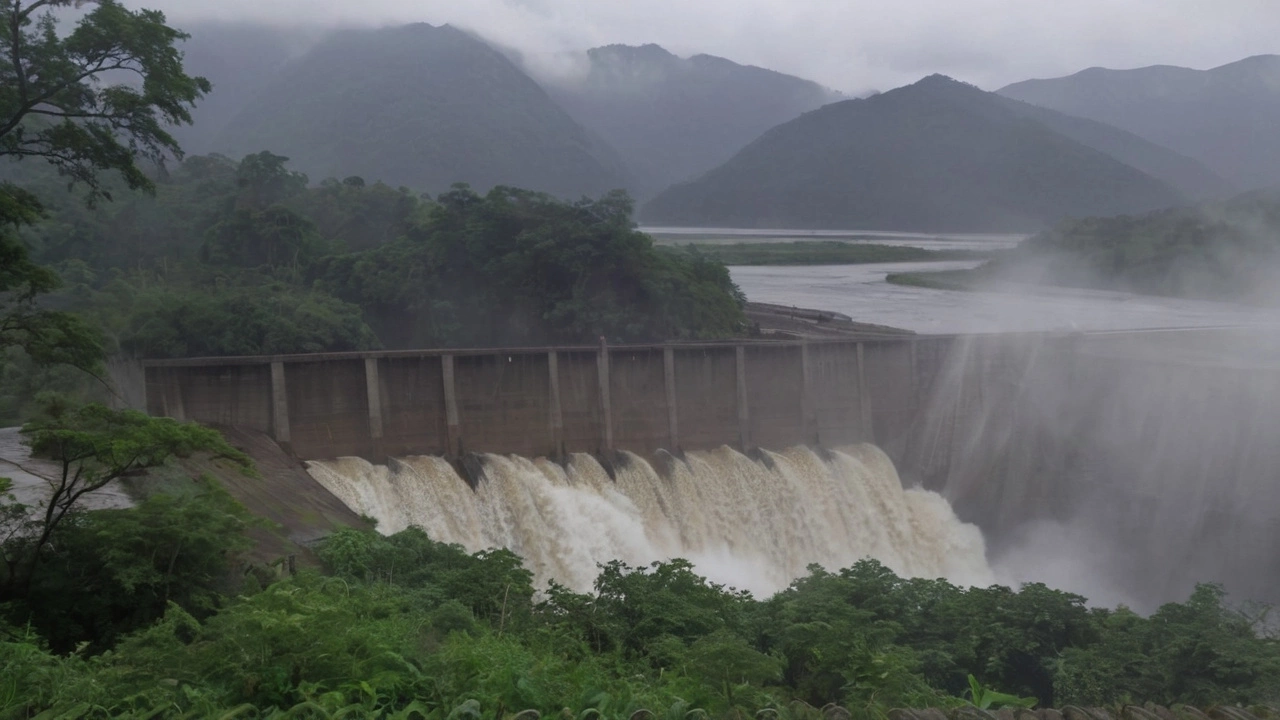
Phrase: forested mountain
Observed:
(674, 118)
(240, 59)
(423, 107)
(1225, 117)
(245, 258)
(936, 155)
(1186, 175)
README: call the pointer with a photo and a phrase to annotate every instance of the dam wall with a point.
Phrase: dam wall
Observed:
(554, 401)
(1151, 458)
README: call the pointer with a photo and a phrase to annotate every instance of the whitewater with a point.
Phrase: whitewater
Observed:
(753, 524)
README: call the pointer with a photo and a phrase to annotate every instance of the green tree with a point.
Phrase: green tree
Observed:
(516, 267)
(275, 237)
(94, 446)
(492, 584)
(264, 180)
(110, 572)
(725, 660)
(266, 317)
(55, 105)
(47, 336)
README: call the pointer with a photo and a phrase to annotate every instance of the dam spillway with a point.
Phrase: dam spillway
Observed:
(754, 524)
(1149, 460)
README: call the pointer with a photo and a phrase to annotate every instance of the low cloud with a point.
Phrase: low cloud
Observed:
(851, 45)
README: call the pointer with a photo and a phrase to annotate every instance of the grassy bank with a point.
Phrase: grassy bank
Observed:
(828, 252)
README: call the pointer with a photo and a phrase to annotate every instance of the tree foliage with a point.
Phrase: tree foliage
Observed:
(91, 102)
(516, 267)
(234, 258)
(47, 336)
(94, 446)
(404, 624)
(96, 99)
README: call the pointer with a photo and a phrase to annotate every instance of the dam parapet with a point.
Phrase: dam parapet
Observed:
(555, 401)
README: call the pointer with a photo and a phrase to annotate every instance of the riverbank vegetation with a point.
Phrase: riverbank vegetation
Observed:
(826, 252)
(1225, 250)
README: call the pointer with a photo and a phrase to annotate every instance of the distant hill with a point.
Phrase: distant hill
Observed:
(424, 107)
(674, 118)
(938, 155)
(1225, 117)
(240, 59)
(1222, 250)
(1189, 177)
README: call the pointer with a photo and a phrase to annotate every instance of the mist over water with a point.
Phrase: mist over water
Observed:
(1125, 467)
(754, 525)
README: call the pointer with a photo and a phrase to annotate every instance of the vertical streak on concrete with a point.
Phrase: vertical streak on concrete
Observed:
(279, 404)
(916, 393)
(669, 378)
(371, 387)
(744, 419)
(557, 415)
(451, 406)
(808, 427)
(864, 401)
(606, 405)
(172, 396)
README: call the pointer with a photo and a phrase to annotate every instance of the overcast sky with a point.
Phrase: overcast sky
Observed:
(849, 45)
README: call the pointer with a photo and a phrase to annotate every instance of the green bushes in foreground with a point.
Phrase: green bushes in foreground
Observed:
(402, 626)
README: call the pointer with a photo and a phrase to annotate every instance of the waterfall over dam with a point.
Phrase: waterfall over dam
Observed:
(1126, 466)
(754, 524)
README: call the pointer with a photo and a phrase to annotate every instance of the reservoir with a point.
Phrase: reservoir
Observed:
(861, 292)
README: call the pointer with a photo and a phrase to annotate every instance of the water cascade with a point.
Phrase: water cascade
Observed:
(752, 524)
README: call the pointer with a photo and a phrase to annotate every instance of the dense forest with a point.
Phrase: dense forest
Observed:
(248, 257)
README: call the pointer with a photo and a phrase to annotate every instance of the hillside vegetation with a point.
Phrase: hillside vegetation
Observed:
(1227, 250)
(236, 258)
(938, 155)
(424, 107)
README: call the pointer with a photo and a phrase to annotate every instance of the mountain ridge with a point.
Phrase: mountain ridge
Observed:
(443, 106)
(937, 155)
(1223, 117)
(673, 118)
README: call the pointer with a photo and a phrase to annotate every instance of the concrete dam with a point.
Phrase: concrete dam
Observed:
(1140, 463)
(557, 401)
